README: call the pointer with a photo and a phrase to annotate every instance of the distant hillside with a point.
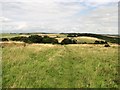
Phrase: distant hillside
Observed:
(108, 38)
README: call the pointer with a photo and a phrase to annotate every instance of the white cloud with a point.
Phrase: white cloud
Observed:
(3, 19)
(58, 0)
(22, 26)
(60, 16)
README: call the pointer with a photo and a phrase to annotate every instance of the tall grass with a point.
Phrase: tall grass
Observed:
(60, 66)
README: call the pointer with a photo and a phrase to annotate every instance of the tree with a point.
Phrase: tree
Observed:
(18, 38)
(68, 41)
(47, 39)
(4, 39)
(100, 42)
(34, 39)
(107, 45)
(97, 42)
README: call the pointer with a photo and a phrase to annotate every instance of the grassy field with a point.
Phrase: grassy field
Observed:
(59, 37)
(86, 39)
(7, 35)
(60, 66)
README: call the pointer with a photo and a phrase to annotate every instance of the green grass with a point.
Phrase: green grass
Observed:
(57, 66)
(8, 35)
(86, 39)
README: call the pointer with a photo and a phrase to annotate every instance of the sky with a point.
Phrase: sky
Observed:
(59, 16)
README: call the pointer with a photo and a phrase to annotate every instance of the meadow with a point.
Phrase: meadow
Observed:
(60, 66)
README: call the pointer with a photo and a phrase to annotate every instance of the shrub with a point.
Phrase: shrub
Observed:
(30, 39)
(97, 42)
(100, 42)
(47, 39)
(68, 41)
(103, 42)
(107, 45)
(55, 41)
(4, 39)
(34, 39)
(19, 39)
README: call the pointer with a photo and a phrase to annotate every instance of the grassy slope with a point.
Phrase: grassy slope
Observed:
(60, 37)
(86, 39)
(15, 35)
(8, 35)
(70, 66)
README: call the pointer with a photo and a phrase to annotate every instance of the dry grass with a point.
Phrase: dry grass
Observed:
(60, 66)
(12, 43)
(90, 38)
(86, 39)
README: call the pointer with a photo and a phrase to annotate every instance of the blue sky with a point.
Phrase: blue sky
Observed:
(56, 16)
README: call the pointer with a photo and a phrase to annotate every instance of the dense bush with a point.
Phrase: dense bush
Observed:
(99, 36)
(97, 42)
(18, 38)
(55, 41)
(103, 42)
(107, 45)
(100, 42)
(4, 39)
(34, 39)
(68, 41)
(47, 39)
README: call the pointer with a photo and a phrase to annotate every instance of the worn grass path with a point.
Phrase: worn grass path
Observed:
(56, 66)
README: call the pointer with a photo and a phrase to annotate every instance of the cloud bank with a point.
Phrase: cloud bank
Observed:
(57, 16)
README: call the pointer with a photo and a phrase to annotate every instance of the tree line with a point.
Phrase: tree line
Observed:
(99, 36)
(46, 39)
